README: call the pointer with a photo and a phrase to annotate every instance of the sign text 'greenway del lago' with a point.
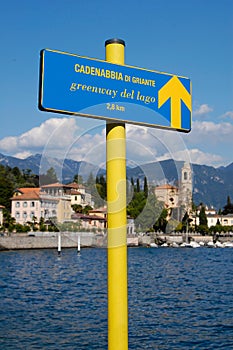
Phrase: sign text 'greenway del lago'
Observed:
(73, 84)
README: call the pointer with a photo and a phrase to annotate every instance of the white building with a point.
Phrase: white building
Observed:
(48, 202)
(79, 195)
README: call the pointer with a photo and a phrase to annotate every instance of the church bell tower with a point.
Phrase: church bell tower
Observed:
(186, 187)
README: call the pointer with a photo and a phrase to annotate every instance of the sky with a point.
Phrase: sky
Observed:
(188, 38)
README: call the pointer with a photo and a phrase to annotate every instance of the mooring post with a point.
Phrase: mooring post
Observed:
(59, 243)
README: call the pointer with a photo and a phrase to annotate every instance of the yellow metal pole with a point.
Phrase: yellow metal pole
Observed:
(117, 221)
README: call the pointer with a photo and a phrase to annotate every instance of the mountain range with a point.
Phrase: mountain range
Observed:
(211, 186)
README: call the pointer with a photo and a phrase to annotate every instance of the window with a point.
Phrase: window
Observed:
(185, 176)
(32, 204)
(32, 214)
(25, 215)
(17, 215)
(17, 204)
(25, 204)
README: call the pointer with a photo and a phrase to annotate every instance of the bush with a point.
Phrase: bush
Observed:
(203, 229)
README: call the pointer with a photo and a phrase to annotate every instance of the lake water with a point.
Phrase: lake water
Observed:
(178, 299)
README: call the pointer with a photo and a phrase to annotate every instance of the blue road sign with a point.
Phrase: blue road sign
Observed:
(73, 84)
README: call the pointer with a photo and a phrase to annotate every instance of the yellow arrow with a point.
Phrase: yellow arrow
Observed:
(176, 91)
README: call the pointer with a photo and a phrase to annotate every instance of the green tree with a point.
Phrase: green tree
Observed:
(77, 208)
(8, 221)
(49, 178)
(78, 179)
(186, 222)
(91, 181)
(138, 186)
(150, 213)
(86, 209)
(7, 186)
(145, 187)
(42, 226)
(161, 223)
(202, 217)
(101, 186)
(132, 182)
(228, 208)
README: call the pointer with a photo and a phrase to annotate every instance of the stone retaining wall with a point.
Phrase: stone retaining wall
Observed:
(68, 240)
(43, 240)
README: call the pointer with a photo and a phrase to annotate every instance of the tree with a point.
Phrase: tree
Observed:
(144, 210)
(161, 223)
(202, 217)
(185, 222)
(138, 186)
(228, 208)
(145, 187)
(90, 181)
(49, 178)
(86, 209)
(78, 179)
(6, 186)
(132, 182)
(101, 186)
(77, 208)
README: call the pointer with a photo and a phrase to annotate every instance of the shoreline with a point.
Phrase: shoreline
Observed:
(47, 240)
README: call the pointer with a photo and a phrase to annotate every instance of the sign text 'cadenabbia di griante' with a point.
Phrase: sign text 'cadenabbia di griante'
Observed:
(73, 84)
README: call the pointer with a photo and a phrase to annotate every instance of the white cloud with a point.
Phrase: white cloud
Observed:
(63, 138)
(202, 110)
(199, 157)
(208, 132)
(228, 114)
(60, 129)
(195, 156)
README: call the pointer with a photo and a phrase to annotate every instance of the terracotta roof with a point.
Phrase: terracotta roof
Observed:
(24, 190)
(73, 185)
(166, 187)
(87, 217)
(75, 192)
(99, 210)
(56, 184)
(32, 194)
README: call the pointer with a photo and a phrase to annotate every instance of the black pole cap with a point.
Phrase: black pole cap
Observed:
(114, 41)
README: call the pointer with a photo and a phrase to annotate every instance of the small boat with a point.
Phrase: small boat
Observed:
(228, 244)
(154, 245)
(219, 245)
(194, 244)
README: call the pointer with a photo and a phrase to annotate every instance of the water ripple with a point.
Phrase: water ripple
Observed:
(178, 299)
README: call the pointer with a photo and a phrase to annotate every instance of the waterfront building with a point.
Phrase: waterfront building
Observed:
(90, 222)
(97, 219)
(80, 195)
(186, 188)
(177, 199)
(61, 194)
(25, 205)
(168, 194)
(48, 202)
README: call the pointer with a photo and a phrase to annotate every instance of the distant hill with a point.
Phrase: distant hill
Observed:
(211, 186)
